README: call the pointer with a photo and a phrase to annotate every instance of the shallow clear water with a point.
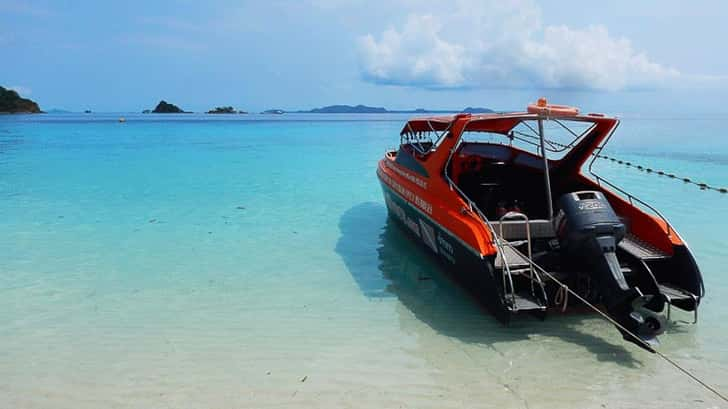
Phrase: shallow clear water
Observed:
(192, 261)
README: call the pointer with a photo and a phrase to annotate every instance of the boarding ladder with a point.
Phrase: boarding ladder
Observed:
(512, 262)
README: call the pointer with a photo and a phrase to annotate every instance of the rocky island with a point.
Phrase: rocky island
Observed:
(12, 103)
(222, 110)
(166, 108)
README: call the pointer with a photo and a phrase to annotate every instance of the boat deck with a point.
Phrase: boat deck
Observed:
(640, 249)
(514, 258)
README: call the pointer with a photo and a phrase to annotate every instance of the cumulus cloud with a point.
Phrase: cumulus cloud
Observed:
(429, 59)
(501, 44)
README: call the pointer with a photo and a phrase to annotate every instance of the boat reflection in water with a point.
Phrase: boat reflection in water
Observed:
(385, 262)
(405, 270)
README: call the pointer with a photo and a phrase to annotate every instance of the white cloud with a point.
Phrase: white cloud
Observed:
(429, 59)
(502, 44)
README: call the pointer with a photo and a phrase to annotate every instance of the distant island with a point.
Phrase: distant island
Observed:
(225, 110)
(471, 110)
(166, 108)
(347, 109)
(363, 109)
(12, 103)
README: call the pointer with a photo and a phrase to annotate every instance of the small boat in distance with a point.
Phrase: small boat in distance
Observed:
(501, 199)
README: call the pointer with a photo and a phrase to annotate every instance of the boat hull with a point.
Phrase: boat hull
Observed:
(472, 270)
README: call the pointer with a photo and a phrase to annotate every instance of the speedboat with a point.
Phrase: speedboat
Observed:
(507, 202)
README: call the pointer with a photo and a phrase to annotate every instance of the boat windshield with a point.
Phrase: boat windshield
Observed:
(422, 142)
(489, 171)
(559, 136)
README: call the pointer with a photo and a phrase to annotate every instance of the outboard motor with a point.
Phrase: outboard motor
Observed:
(589, 231)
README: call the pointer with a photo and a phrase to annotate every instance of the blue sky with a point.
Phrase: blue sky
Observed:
(620, 56)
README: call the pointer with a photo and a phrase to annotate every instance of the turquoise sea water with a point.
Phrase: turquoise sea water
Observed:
(193, 261)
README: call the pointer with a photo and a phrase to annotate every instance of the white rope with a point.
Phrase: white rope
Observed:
(646, 345)
(562, 297)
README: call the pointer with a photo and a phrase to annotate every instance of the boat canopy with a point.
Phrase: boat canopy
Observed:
(495, 123)
(572, 147)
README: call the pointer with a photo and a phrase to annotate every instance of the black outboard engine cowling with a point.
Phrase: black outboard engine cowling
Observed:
(589, 230)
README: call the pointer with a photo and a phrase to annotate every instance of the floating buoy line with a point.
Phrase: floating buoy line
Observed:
(647, 169)
(702, 186)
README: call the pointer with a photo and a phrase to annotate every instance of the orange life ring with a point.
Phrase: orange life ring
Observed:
(542, 107)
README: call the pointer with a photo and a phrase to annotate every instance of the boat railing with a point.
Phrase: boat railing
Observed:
(630, 197)
(537, 271)
(633, 199)
(556, 147)
(500, 246)
(550, 145)
(523, 217)
(416, 138)
(534, 276)
(473, 208)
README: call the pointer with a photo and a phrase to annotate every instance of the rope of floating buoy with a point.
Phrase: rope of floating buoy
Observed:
(701, 185)
(567, 290)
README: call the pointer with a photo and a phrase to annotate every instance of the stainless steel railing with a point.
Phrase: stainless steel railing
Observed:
(632, 199)
(500, 246)
(518, 215)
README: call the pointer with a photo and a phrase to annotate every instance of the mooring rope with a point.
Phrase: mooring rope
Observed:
(647, 346)
(562, 297)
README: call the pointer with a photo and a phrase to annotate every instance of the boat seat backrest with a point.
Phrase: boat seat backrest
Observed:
(516, 229)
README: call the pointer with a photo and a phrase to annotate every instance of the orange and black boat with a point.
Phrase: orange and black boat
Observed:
(503, 200)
